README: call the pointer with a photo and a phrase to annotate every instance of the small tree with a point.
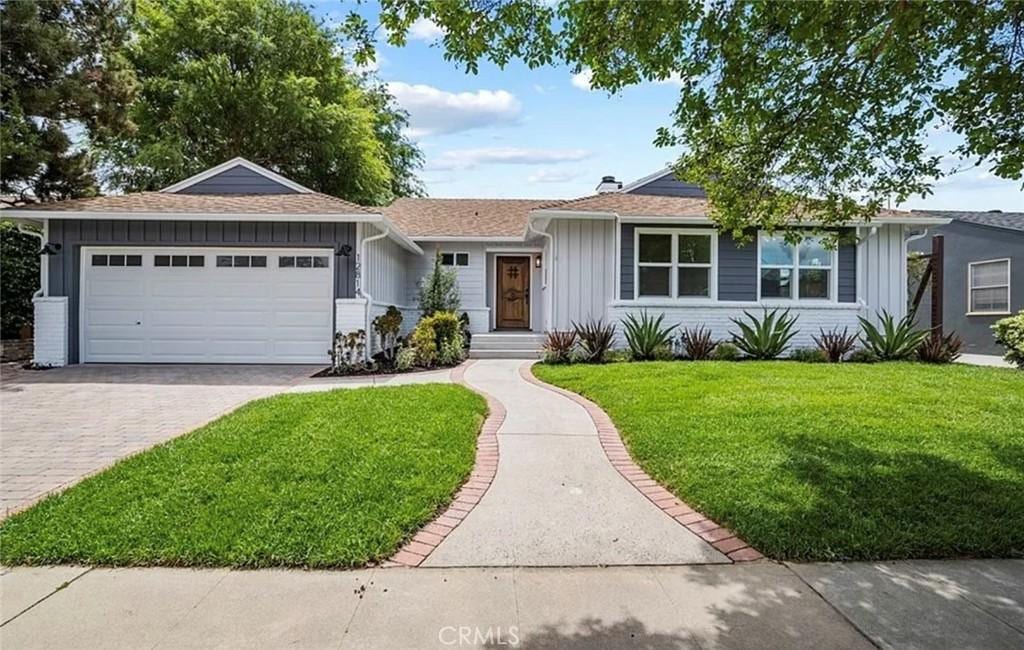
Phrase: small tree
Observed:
(439, 290)
(387, 327)
(19, 279)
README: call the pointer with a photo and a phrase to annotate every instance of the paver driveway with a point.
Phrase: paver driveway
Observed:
(58, 426)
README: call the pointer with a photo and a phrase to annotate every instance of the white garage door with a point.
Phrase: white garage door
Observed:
(206, 305)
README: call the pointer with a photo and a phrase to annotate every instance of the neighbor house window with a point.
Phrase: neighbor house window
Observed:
(989, 287)
(455, 259)
(802, 272)
(675, 263)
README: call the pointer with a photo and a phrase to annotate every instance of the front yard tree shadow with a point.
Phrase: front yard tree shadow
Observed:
(908, 504)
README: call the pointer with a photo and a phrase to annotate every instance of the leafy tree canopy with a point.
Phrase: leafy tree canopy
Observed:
(260, 79)
(786, 107)
(62, 69)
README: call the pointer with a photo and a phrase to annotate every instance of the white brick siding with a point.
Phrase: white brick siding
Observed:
(51, 331)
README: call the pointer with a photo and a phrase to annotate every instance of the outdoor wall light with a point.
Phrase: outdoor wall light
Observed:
(345, 250)
(537, 262)
(50, 248)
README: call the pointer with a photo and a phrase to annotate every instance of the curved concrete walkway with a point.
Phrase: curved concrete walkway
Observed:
(556, 499)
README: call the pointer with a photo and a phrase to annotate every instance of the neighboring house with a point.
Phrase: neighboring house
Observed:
(983, 274)
(241, 265)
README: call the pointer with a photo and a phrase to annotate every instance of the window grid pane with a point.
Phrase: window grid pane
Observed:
(990, 300)
(655, 248)
(814, 283)
(694, 282)
(694, 249)
(776, 283)
(990, 274)
(655, 281)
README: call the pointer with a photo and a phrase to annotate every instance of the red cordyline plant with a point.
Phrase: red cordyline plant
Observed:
(835, 344)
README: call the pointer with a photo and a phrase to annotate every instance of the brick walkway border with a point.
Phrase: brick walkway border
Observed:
(423, 543)
(720, 537)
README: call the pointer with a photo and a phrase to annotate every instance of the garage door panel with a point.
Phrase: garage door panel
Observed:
(206, 314)
(105, 317)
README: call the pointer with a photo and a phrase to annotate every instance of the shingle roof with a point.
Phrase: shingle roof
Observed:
(648, 205)
(421, 217)
(635, 205)
(1008, 220)
(176, 203)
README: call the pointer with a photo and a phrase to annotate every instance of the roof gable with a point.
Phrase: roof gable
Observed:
(237, 176)
(664, 183)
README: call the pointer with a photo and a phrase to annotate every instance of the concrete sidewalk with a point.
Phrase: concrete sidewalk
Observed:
(556, 499)
(961, 604)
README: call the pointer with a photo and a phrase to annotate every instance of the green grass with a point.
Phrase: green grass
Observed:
(333, 479)
(826, 462)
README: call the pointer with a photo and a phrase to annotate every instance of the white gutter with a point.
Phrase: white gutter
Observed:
(547, 268)
(44, 264)
(362, 283)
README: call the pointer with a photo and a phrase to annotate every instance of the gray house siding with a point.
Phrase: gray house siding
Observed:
(73, 234)
(966, 243)
(237, 180)
(669, 185)
(847, 270)
(737, 268)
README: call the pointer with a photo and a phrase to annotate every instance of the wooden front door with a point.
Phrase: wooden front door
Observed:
(513, 284)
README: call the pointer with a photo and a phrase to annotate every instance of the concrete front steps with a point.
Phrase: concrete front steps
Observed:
(506, 345)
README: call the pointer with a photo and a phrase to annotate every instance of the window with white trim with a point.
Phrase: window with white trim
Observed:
(675, 263)
(803, 272)
(454, 259)
(988, 287)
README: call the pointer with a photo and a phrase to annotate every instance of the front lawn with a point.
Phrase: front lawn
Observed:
(827, 462)
(334, 479)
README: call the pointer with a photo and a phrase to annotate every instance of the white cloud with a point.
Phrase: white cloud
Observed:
(433, 111)
(472, 158)
(552, 176)
(425, 29)
(582, 79)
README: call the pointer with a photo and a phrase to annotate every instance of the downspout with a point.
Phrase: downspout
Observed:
(44, 261)
(362, 283)
(544, 272)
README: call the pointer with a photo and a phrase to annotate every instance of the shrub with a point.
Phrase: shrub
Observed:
(895, 341)
(861, 355)
(809, 355)
(1009, 332)
(767, 337)
(940, 349)
(439, 290)
(726, 351)
(645, 335)
(558, 346)
(613, 356)
(447, 328)
(348, 352)
(835, 344)
(451, 351)
(424, 343)
(19, 259)
(663, 353)
(387, 326)
(698, 344)
(405, 359)
(596, 339)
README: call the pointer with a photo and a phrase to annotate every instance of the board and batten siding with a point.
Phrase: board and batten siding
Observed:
(237, 180)
(65, 267)
(882, 252)
(583, 270)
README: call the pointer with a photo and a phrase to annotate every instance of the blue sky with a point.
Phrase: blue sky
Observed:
(542, 133)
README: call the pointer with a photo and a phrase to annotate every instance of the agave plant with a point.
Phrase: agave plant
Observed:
(596, 339)
(835, 344)
(940, 349)
(645, 336)
(558, 346)
(697, 343)
(767, 337)
(895, 341)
